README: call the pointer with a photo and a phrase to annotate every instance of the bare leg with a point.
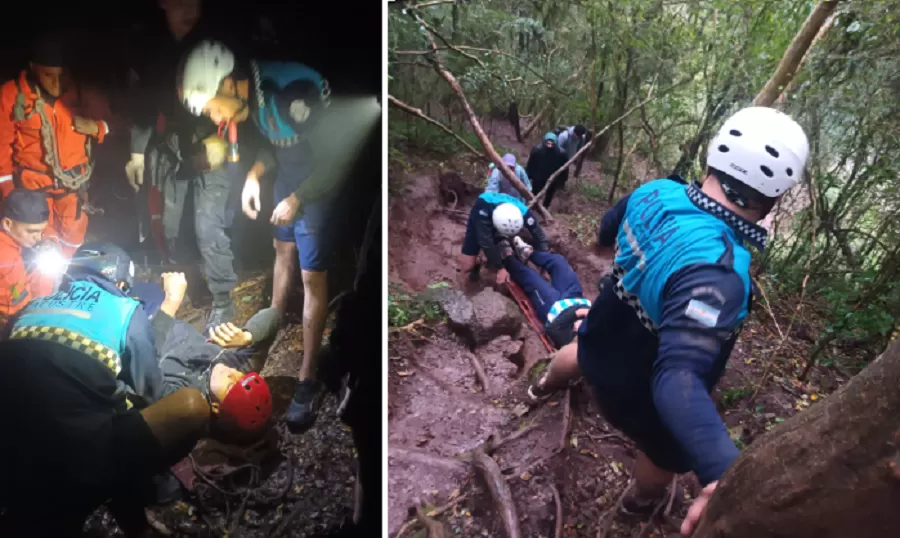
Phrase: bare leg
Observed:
(650, 481)
(283, 274)
(466, 264)
(563, 368)
(315, 312)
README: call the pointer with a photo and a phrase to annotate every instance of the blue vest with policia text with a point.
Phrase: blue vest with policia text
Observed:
(82, 316)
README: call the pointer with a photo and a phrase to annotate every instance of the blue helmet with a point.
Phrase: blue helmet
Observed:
(107, 260)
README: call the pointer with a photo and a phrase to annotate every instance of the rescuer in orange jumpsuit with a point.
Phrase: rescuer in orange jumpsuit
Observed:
(24, 217)
(44, 145)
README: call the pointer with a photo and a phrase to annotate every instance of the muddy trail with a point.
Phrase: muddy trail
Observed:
(461, 360)
(284, 485)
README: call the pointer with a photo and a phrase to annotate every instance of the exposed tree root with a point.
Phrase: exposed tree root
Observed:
(500, 492)
(434, 528)
(406, 527)
(426, 458)
(559, 512)
(480, 373)
(607, 518)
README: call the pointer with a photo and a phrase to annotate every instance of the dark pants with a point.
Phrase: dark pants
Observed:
(616, 354)
(564, 283)
(67, 450)
(558, 183)
(211, 197)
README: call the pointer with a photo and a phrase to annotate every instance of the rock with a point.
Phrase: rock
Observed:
(505, 348)
(495, 315)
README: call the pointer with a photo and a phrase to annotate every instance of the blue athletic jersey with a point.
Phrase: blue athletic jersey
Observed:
(82, 316)
(664, 231)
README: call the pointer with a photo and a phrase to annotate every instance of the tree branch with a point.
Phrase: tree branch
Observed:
(476, 126)
(418, 113)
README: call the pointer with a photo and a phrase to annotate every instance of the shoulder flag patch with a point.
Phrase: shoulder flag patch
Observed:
(702, 313)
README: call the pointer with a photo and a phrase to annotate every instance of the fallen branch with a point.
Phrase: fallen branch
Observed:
(559, 512)
(567, 419)
(480, 373)
(434, 528)
(607, 518)
(476, 126)
(432, 3)
(534, 123)
(419, 114)
(580, 152)
(428, 459)
(406, 527)
(500, 492)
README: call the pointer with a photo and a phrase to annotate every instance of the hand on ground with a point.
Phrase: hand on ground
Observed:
(228, 335)
(696, 509)
(285, 211)
(175, 286)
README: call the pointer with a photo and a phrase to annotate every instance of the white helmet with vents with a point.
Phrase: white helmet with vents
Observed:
(762, 148)
(507, 219)
(203, 70)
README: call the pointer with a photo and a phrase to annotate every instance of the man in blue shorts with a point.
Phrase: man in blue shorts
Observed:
(657, 339)
(287, 103)
(494, 219)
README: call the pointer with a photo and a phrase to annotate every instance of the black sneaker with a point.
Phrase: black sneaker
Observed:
(505, 247)
(301, 413)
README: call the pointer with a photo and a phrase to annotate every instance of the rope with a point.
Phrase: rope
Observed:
(51, 155)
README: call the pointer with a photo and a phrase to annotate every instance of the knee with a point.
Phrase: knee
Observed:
(314, 281)
(282, 248)
(193, 406)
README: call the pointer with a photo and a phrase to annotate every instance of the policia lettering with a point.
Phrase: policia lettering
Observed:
(71, 317)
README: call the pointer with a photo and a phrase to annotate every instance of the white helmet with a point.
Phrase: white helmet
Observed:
(507, 219)
(762, 148)
(203, 70)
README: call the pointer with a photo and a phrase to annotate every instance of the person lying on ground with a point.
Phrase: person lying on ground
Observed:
(312, 139)
(498, 183)
(560, 303)
(493, 217)
(544, 159)
(657, 339)
(96, 419)
(22, 278)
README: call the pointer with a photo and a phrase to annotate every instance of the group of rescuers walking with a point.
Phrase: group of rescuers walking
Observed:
(656, 340)
(109, 390)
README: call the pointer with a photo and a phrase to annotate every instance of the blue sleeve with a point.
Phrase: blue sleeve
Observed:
(703, 305)
(609, 224)
(140, 365)
(523, 177)
(541, 244)
(493, 184)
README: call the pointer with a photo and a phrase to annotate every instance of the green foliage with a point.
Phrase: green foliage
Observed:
(588, 62)
(404, 309)
(730, 397)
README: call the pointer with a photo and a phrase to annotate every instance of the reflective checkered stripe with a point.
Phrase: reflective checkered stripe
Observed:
(754, 234)
(109, 357)
(631, 300)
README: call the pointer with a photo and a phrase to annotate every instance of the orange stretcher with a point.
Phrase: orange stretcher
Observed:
(526, 306)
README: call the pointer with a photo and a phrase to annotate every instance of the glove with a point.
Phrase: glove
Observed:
(134, 170)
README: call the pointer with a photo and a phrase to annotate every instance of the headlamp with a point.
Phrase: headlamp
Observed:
(51, 262)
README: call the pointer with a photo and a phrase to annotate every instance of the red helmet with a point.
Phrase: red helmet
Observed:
(248, 405)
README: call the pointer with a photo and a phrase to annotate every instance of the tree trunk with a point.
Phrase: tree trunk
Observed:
(830, 472)
(786, 69)
(513, 116)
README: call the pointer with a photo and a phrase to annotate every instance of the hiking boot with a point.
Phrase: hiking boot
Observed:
(523, 249)
(505, 248)
(301, 413)
(637, 505)
(223, 313)
(537, 392)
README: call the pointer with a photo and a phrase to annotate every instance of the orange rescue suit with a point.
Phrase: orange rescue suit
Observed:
(23, 163)
(18, 285)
